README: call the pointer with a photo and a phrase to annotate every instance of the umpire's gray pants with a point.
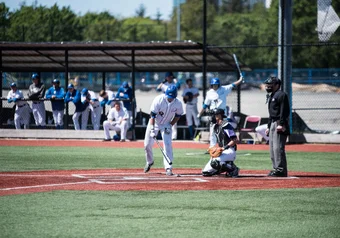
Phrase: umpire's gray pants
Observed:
(277, 143)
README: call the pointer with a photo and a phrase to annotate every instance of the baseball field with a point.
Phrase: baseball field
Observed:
(69, 188)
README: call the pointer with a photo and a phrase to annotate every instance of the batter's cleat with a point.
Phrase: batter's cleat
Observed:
(147, 167)
(278, 173)
(107, 140)
(168, 172)
(234, 173)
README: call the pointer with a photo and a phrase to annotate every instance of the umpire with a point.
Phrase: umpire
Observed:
(278, 127)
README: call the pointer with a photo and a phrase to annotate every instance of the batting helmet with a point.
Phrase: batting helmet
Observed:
(215, 81)
(171, 91)
(35, 76)
(85, 91)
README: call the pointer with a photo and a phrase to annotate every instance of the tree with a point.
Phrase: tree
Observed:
(4, 20)
(140, 12)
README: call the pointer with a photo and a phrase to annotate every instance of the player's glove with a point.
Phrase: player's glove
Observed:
(189, 97)
(215, 151)
(152, 133)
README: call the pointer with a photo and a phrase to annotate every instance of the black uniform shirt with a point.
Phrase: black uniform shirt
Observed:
(278, 107)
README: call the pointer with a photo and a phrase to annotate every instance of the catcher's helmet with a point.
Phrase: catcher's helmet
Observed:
(171, 91)
(272, 80)
(219, 111)
(215, 81)
(35, 76)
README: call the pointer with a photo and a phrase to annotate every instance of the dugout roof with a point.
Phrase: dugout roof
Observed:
(183, 56)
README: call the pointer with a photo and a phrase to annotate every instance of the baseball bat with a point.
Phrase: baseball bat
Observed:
(160, 147)
(237, 65)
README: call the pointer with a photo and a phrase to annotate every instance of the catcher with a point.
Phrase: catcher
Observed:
(223, 154)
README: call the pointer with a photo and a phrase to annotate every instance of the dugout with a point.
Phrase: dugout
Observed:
(106, 57)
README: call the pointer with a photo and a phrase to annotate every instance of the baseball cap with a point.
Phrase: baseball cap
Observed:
(168, 74)
(84, 92)
(13, 84)
(55, 81)
(70, 86)
(125, 84)
(35, 76)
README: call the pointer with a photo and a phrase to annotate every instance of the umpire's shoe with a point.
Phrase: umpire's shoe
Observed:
(147, 167)
(278, 173)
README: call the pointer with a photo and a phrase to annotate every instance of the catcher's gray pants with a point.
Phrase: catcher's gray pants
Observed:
(227, 155)
(277, 142)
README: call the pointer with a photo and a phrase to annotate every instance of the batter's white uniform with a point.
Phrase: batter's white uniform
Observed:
(165, 112)
(220, 102)
(191, 107)
(174, 127)
(261, 129)
(119, 122)
(37, 92)
(23, 111)
(95, 109)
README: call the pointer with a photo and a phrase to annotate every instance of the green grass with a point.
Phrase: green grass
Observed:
(268, 213)
(256, 213)
(62, 158)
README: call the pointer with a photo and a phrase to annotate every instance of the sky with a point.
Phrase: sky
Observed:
(117, 8)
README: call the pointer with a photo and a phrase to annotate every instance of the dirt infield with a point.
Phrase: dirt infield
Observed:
(134, 179)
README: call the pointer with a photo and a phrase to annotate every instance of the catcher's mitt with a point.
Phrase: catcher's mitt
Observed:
(215, 151)
(189, 97)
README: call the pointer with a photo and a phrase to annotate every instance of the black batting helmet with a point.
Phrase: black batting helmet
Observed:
(219, 111)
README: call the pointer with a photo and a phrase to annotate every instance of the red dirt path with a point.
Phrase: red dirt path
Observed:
(134, 179)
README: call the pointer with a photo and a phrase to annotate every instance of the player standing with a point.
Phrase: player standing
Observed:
(190, 94)
(56, 95)
(217, 98)
(36, 93)
(22, 109)
(166, 110)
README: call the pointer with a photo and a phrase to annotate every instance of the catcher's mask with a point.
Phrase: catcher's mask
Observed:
(271, 82)
(219, 111)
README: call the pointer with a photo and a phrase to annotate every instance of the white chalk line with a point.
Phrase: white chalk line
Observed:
(44, 185)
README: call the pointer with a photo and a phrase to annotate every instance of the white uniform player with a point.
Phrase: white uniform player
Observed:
(191, 106)
(261, 129)
(217, 98)
(36, 92)
(22, 113)
(166, 110)
(168, 81)
(117, 120)
(95, 109)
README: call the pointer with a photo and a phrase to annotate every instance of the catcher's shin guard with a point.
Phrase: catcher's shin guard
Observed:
(231, 169)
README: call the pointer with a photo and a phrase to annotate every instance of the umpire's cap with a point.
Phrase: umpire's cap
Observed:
(272, 80)
(13, 85)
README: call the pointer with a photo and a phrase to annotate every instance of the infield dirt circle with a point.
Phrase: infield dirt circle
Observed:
(135, 179)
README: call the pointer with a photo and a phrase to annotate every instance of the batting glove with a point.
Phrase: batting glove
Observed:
(167, 131)
(152, 133)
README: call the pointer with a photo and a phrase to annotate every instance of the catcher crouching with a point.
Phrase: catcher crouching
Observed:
(223, 154)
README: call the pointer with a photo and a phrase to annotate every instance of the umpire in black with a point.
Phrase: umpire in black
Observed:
(278, 127)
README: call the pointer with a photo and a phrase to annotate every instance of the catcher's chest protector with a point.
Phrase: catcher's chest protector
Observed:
(222, 138)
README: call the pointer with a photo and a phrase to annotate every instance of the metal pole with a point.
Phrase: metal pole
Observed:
(204, 55)
(178, 20)
(1, 110)
(133, 100)
(103, 88)
(66, 82)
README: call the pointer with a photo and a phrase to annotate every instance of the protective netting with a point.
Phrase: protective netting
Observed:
(328, 20)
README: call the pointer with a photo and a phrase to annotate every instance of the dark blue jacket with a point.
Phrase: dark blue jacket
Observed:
(127, 95)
